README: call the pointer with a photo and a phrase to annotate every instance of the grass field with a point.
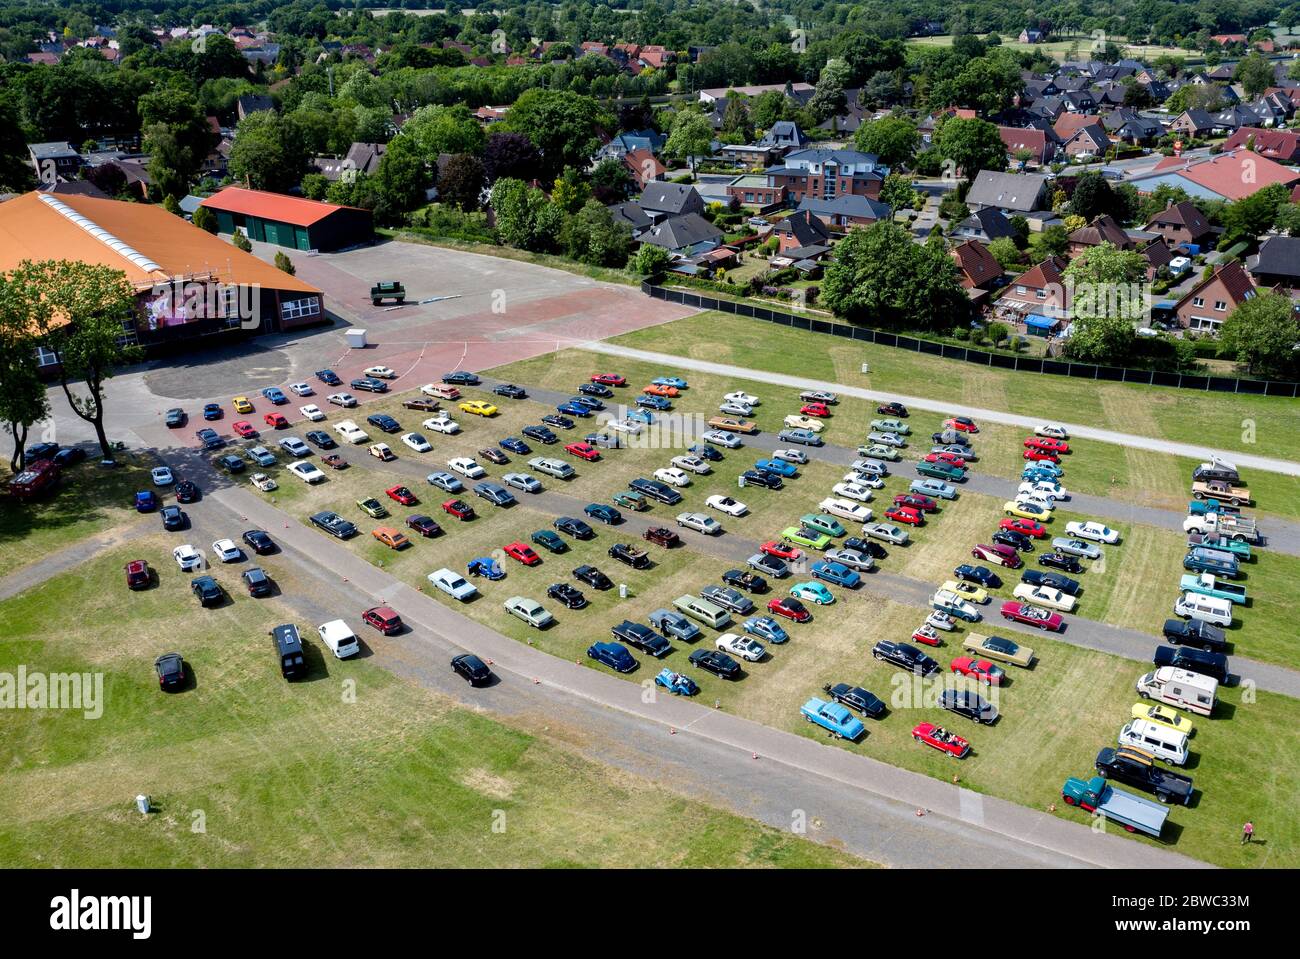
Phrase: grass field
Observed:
(1070, 48)
(280, 774)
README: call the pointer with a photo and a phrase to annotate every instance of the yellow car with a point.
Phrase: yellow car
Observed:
(479, 408)
(1164, 716)
(242, 405)
(968, 591)
(1027, 510)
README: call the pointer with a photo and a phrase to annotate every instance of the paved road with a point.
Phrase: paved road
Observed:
(669, 361)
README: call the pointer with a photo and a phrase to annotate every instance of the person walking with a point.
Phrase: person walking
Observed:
(1247, 832)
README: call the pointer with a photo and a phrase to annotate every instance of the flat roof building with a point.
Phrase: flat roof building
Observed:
(290, 221)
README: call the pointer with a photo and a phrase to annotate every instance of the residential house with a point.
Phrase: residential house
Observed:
(846, 210)
(1103, 229)
(799, 92)
(1158, 255)
(801, 229)
(53, 160)
(1206, 305)
(1181, 223)
(1132, 127)
(748, 154)
(1011, 193)
(1039, 294)
(1079, 101)
(1230, 175)
(1277, 264)
(977, 269)
(987, 224)
(1032, 35)
(1087, 141)
(663, 200)
(1235, 117)
(755, 190)
(1194, 123)
(1280, 145)
(360, 158)
(644, 167)
(685, 235)
(252, 103)
(828, 173)
(1068, 124)
(784, 136)
(1036, 142)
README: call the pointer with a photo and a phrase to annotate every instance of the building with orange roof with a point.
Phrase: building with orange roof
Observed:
(1228, 176)
(291, 221)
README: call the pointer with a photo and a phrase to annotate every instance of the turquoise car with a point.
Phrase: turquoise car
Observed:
(675, 381)
(834, 718)
(821, 523)
(812, 592)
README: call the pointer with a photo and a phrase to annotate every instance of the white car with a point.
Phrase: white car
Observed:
(530, 611)
(162, 476)
(1046, 487)
(791, 456)
(1054, 431)
(740, 396)
(726, 504)
(845, 509)
(750, 650)
(736, 409)
(1044, 596)
(692, 464)
(307, 472)
(465, 466)
(351, 432)
(673, 477)
(852, 490)
(416, 442)
(1092, 530)
(380, 372)
(301, 389)
(188, 558)
(631, 427)
(342, 399)
(722, 438)
(441, 423)
(862, 479)
(1037, 498)
(453, 584)
(263, 482)
(800, 422)
(700, 523)
(312, 412)
(226, 551)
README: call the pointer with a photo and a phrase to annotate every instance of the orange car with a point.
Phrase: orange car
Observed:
(655, 389)
(394, 539)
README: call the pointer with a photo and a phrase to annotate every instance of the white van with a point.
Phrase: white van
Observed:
(708, 613)
(1161, 741)
(339, 638)
(1180, 687)
(1208, 609)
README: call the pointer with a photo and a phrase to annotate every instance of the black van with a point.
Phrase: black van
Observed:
(288, 644)
(1214, 665)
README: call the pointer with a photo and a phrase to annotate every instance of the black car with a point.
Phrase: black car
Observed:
(744, 579)
(383, 422)
(892, 408)
(706, 452)
(328, 377)
(231, 463)
(186, 492)
(424, 525)
(541, 434)
(604, 513)
(1193, 660)
(716, 662)
(175, 417)
(855, 697)
(978, 574)
(592, 577)
(1036, 577)
(1062, 562)
(567, 596)
(170, 668)
(369, 384)
(510, 391)
(173, 517)
(514, 445)
(656, 490)
(321, 439)
(909, 657)
(460, 378)
(595, 389)
(207, 590)
(590, 402)
(628, 554)
(69, 455)
(258, 583)
(1195, 632)
(574, 527)
(762, 478)
(555, 419)
(472, 669)
(259, 541)
(40, 451)
(963, 702)
(1134, 767)
(1016, 540)
(867, 547)
(334, 524)
(641, 637)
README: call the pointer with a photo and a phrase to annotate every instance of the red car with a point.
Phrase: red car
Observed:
(401, 495)
(790, 608)
(137, 574)
(1032, 616)
(815, 409)
(1030, 527)
(1048, 444)
(522, 552)
(952, 459)
(926, 634)
(244, 429)
(1037, 455)
(609, 379)
(659, 389)
(780, 550)
(906, 514)
(383, 619)
(583, 451)
(915, 500)
(275, 420)
(459, 509)
(940, 739)
(962, 424)
(998, 553)
(980, 670)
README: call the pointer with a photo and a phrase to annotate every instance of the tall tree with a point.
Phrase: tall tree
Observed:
(565, 126)
(510, 155)
(445, 129)
(1262, 335)
(269, 152)
(894, 139)
(691, 137)
(23, 400)
(972, 145)
(1107, 302)
(461, 181)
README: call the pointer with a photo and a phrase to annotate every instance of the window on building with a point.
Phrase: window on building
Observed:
(1198, 301)
(300, 309)
(1220, 306)
(45, 357)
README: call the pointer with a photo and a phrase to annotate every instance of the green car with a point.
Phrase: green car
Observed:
(372, 508)
(805, 537)
(878, 451)
(821, 523)
(633, 501)
(944, 471)
(891, 426)
(549, 541)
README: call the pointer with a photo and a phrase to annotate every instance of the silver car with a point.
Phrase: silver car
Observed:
(445, 481)
(888, 439)
(1076, 547)
(522, 481)
(802, 436)
(851, 558)
(723, 438)
(699, 522)
(736, 409)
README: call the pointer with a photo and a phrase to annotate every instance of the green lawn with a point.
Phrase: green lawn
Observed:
(280, 774)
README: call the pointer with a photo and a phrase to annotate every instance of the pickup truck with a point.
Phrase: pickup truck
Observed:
(1208, 585)
(1237, 547)
(1229, 525)
(833, 717)
(1134, 767)
(1199, 507)
(1222, 491)
(1132, 812)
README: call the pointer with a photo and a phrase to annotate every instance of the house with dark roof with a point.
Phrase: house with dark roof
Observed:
(1132, 127)
(846, 210)
(1079, 101)
(53, 160)
(662, 200)
(1181, 223)
(252, 103)
(361, 158)
(987, 224)
(828, 173)
(784, 136)
(1009, 192)
(1235, 117)
(685, 235)
(1158, 255)
(1277, 263)
(1032, 35)
(1206, 305)
(1103, 229)
(1194, 123)
(801, 229)
(632, 216)
(1090, 140)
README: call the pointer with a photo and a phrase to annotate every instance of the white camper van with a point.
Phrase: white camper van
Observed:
(1180, 687)
(1161, 741)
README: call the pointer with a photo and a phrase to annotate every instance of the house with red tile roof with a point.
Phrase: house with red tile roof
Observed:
(1227, 176)
(644, 167)
(1206, 305)
(1280, 145)
(1039, 290)
(977, 269)
(1103, 229)
(1035, 141)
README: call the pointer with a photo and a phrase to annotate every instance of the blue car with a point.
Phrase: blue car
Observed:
(833, 717)
(654, 403)
(514, 445)
(676, 381)
(486, 566)
(590, 402)
(676, 683)
(765, 627)
(145, 501)
(1044, 470)
(643, 416)
(779, 467)
(212, 411)
(706, 452)
(329, 377)
(573, 409)
(836, 573)
(606, 514)
(275, 395)
(978, 574)
(613, 655)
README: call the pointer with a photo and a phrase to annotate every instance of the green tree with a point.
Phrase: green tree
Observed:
(893, 139)
(972, 145)
(690, 138)
(1261, 334)
(1253, 215)
(461, 181)
(1106, 303)
(283, 263)
(401, 180)
(899, 194)
(205, 220)
(1254, 73)
(592, 236)
(23, 401)
(828, 99)
(570, 192)
(445, 129)
(241, 242)
(1052, 241)
(1006, 252)
(565, 126)
(525, 218)
(1288, 219)
(268, 152)
(651, 259)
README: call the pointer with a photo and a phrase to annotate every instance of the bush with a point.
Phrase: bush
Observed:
(650, 260)
(282, 262)
(241, 242)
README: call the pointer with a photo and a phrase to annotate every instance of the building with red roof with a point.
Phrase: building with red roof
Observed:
(1280, 145)
(291, 221)
(1227, 176)
(1205, 306)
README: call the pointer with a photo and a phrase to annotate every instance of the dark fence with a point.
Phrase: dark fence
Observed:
(1025, 364)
